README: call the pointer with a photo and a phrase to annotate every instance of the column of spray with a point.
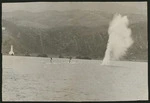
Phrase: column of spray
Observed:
(119, 39)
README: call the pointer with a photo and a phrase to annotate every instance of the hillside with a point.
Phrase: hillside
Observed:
(69, 33)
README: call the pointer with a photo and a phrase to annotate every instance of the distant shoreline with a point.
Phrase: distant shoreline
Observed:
(65, 57)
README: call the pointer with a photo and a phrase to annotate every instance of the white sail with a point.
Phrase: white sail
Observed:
(11, 50)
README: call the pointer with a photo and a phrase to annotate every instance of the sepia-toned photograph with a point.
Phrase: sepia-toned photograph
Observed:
(74, 51)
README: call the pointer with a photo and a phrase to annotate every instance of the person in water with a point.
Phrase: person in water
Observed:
(70, 59)
(51, 59)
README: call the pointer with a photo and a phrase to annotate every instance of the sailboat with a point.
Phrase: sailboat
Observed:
(11, 51)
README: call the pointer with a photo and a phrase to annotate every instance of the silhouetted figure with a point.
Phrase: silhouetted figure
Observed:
(70, 59)
(51, 60)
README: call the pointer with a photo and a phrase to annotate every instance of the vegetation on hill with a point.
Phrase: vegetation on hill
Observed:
(81, 34)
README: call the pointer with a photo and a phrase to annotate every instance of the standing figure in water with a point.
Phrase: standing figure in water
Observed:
(51, 59)
(70, 59)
